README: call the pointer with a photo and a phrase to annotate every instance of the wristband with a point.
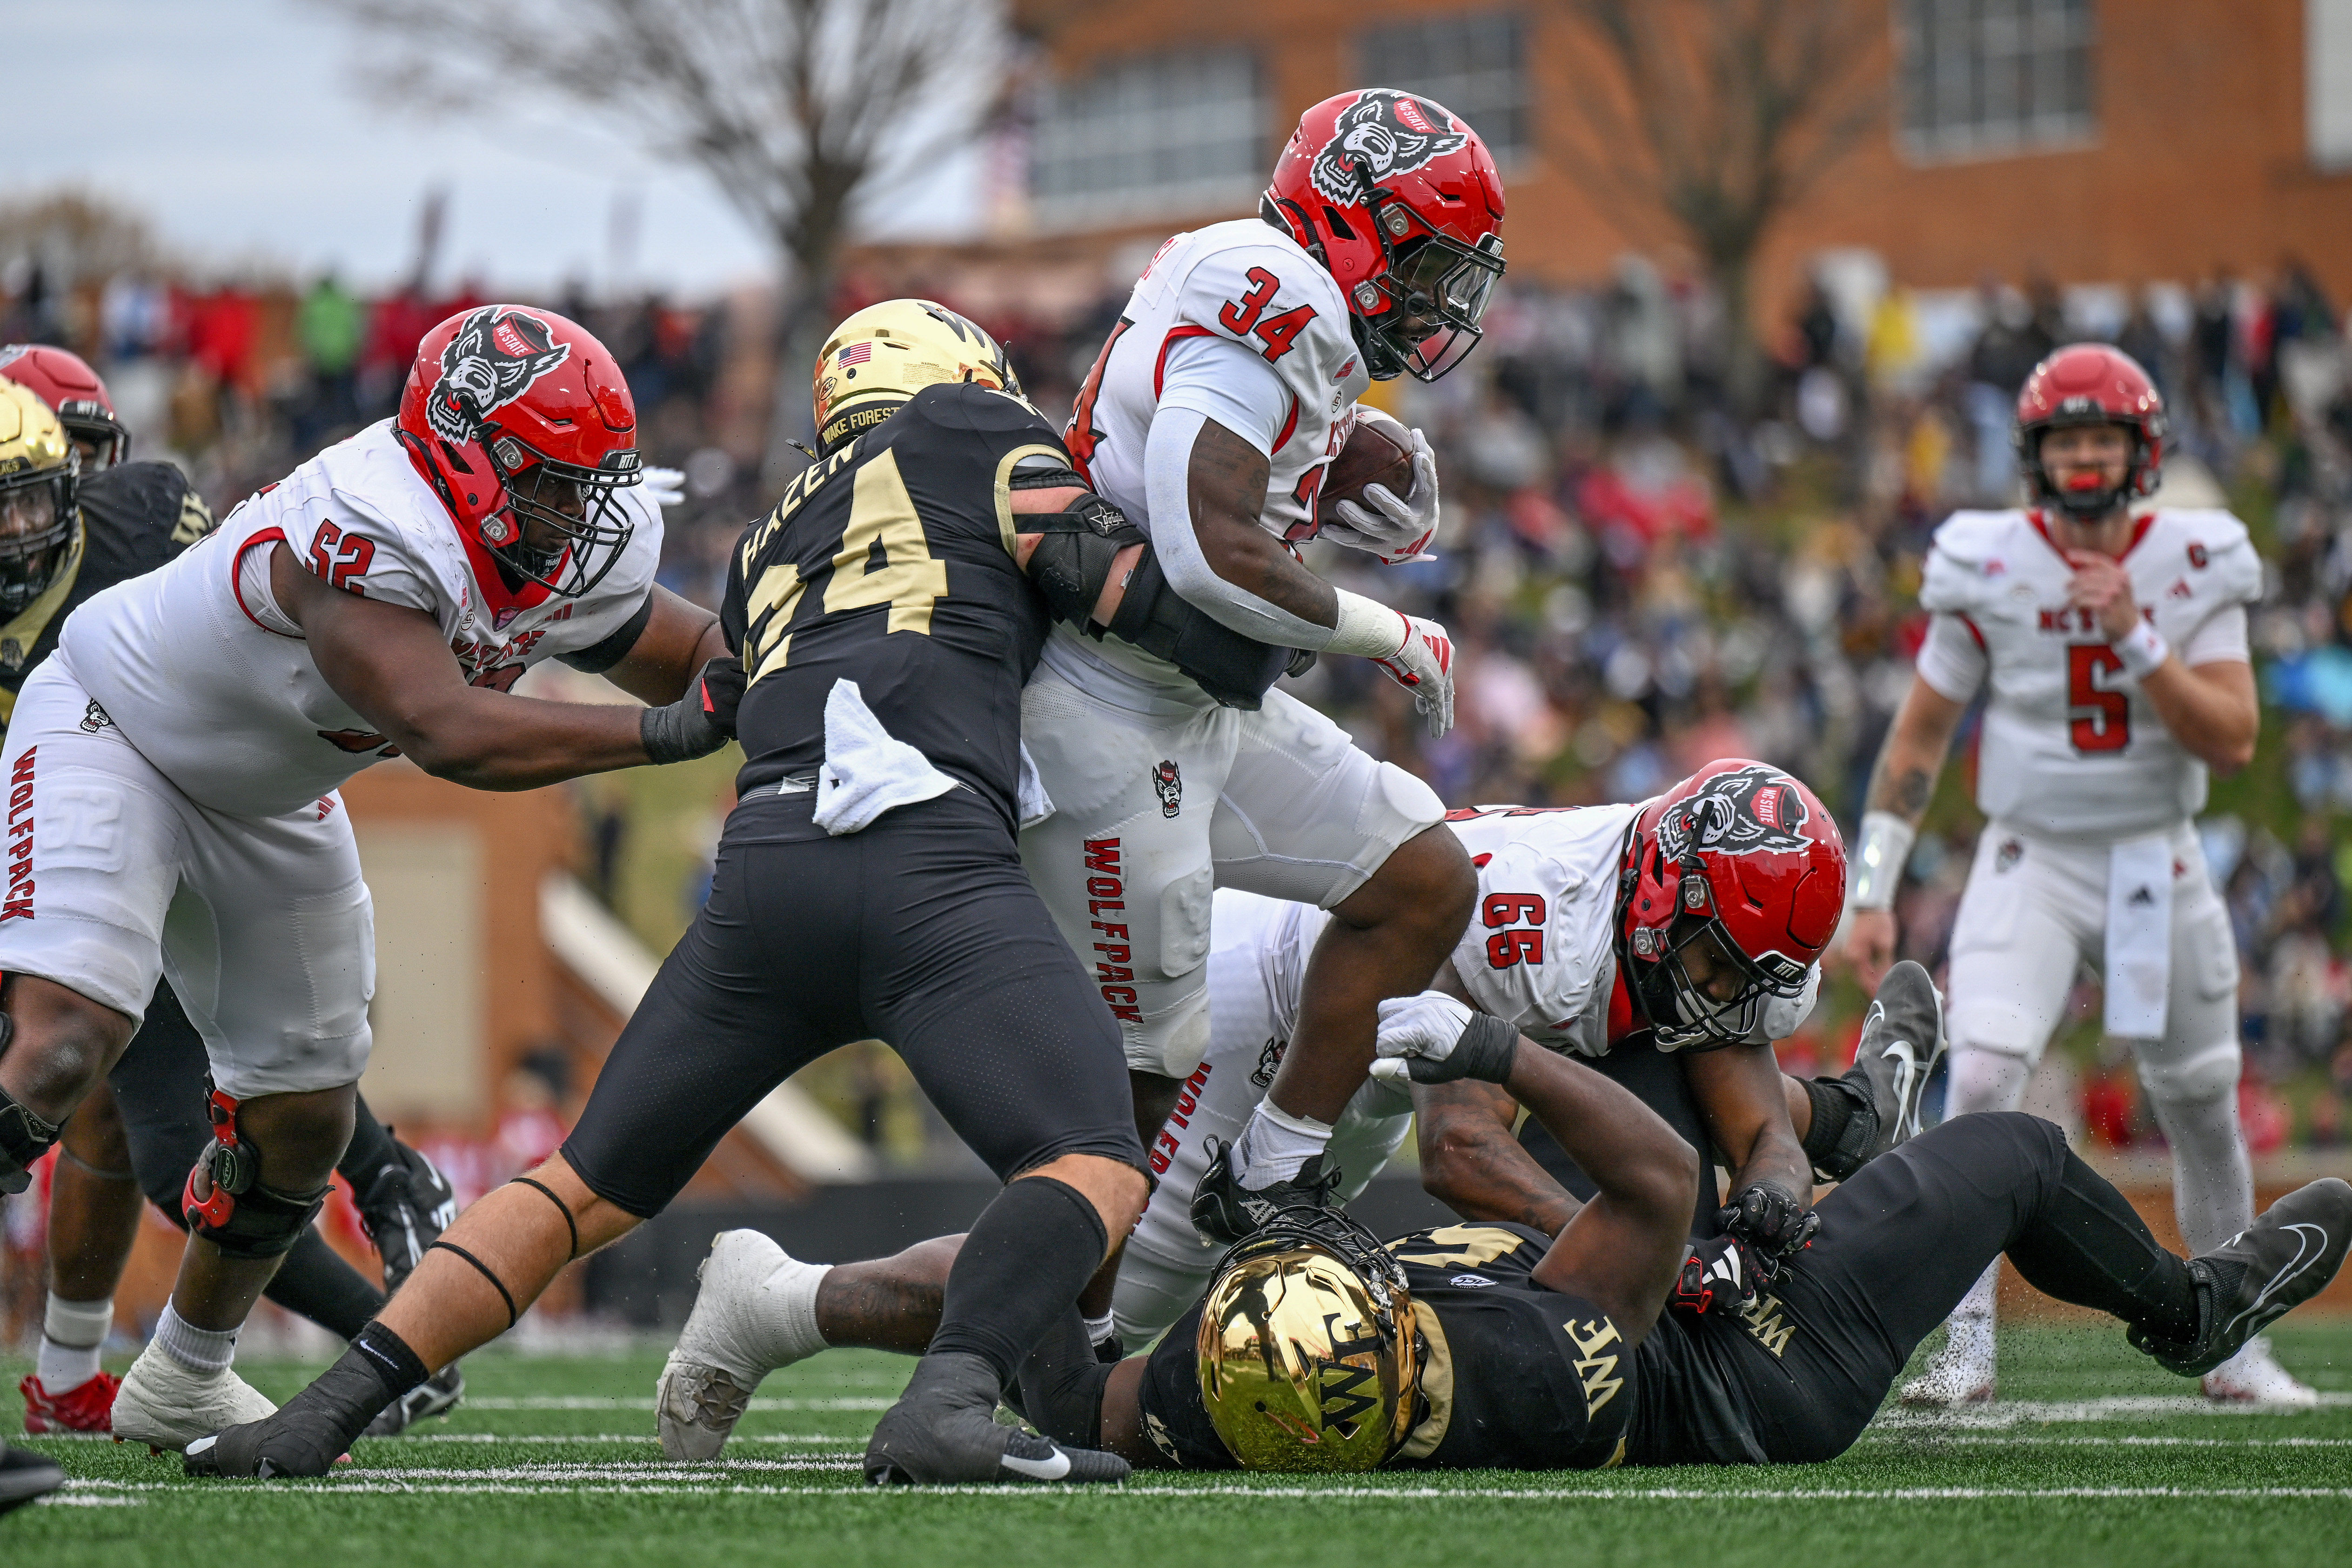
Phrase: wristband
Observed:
(1887, 842)
(2143, 649)
(1366, 627)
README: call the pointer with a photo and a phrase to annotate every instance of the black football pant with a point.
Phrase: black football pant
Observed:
(1900, 1244)
(159, 1087)
(923, 931)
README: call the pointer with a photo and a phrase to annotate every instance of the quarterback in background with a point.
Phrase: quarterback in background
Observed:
(1211, 418)
(2111, 646)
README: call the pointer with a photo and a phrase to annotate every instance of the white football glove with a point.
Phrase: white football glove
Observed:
(1433, 1038)
(1392, 528)
(1424, 667)
(666, 487)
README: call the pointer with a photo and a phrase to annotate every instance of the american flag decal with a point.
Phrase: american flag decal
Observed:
(855, 354)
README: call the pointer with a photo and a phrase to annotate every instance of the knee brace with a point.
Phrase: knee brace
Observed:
(25, 1136)
(234, 1211)
(2201, 1076)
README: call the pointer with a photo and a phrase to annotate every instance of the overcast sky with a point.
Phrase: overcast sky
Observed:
(240, 130)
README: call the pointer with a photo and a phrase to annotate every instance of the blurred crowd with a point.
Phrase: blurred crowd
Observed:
(1650, 555)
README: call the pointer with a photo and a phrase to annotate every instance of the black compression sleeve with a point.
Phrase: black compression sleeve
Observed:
(368, 1153)
(2087, 1244)
(1835, 1104)
(1028, 1254)
(1061, 1384)
(604, 654)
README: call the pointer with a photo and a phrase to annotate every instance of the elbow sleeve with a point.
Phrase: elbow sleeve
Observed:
(1168, 488)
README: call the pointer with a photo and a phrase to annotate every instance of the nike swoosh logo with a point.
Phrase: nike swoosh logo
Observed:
(2311, 1242)
(1052, 1469)
(1906, 1069)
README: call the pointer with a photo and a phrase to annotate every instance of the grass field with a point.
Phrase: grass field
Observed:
(2098, 1458)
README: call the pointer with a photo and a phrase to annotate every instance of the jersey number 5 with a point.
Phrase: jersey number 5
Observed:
(1240, 317)
(2100, 720)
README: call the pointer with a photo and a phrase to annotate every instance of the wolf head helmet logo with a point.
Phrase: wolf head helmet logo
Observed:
(1384, 133)
(492, 361)
(1750, 810)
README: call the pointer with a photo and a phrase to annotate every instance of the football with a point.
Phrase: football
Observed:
(1379, 451)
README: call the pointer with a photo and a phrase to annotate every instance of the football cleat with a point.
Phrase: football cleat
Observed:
(405, 1210)
(2254, 1376)
(437, 1395)
(1224, 1212)
(2255, 1278)
(25, 1476)
(1901, 1040)
(1961, 1374)
(86, 1407)
(755, 1311)
(943, 1432)
(167, 1407)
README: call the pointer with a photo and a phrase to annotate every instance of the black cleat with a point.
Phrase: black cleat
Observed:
(943, 1432)
(1902, 1038)
(437, 1395)
(1224, 1212)
(25, 1476)
(404, 1209)
(2255, 1278)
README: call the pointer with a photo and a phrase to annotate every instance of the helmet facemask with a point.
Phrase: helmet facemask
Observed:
(1674, 993)
(2088, 504)
(38, 518)
(1436, 288)
(577, 505)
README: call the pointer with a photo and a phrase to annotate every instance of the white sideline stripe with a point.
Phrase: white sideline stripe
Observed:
(624, 1402)
(717, 1486)
(2113, 1407)
(2021, 1439)
(845, 1441)
(86, 1499)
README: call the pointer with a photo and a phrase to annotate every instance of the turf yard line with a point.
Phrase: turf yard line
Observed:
(2018, 1439)
(85, 1499)
(2113, 1408)
(624, 1401)
(843, 1440)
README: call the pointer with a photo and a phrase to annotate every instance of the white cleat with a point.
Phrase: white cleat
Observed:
(756, 1311)
(2254, 1376)
(1961, 1374)
(167, 1407)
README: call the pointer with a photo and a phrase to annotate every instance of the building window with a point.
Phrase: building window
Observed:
(1163, 134)
(1475, 65)
(2328, 82)
(1981, 77)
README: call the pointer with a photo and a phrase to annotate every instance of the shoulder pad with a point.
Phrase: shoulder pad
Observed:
(1968, 552)
(2232, 566)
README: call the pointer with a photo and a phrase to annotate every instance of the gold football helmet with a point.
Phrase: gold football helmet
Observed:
(877, 359)
(40, 473)
(1309, 1355)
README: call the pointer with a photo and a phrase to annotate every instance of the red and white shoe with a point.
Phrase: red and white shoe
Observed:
(84, 1407)
(2254, 1376)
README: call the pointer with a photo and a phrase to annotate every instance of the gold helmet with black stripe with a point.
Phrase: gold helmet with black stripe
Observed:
(881, 356)
(40, 475)
(1309, 1353)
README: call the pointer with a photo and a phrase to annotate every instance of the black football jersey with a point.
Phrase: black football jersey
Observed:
(134, 517)
(1514, 1376)
(890, 564)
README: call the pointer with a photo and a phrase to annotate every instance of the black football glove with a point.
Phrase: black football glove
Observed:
(1771, 1222)
(700, 723)
(1720, 1276)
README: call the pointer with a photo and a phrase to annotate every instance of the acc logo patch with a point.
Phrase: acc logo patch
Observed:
(492, 361)
(1384, 133)
(1750, 811)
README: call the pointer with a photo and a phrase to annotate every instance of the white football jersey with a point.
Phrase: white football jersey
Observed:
(1248, 282)
(200, 669)
(2071, 746)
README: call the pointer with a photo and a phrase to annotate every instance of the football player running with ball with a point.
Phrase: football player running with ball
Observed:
(1210, 417)
(869, 884)
(172, 768)
(2111, 649)
(121, 519)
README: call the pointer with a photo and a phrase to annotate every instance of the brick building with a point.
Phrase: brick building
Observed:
(2101, 141)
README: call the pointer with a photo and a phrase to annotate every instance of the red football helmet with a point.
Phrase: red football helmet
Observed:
(63, 379)
(2091, 384)
(1400, 202)
(520, 417)
(1743, 863)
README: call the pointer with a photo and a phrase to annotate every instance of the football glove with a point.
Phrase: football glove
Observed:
(666, 487)
(1720, 1276)
(1433, 1038)
(1769, 1220)
(1391, 527)
(1424, 667)
(701, 722)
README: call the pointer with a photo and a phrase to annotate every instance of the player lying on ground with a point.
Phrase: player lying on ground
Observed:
(2111, 646)
(1491, 1345)
(173, 770)
(868, 885)
(60, 544)
(1210, 417)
